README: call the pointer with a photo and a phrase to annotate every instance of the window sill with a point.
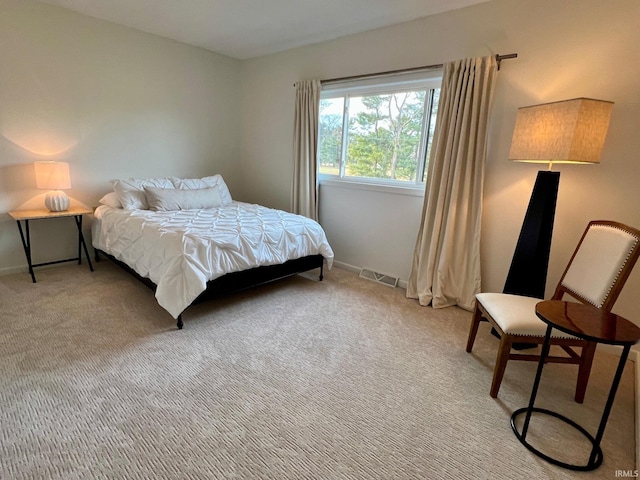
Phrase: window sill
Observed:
(396, 189)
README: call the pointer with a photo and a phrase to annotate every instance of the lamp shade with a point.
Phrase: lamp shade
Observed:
(570, 131)
(52, 175)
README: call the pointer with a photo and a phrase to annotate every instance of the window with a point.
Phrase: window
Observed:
(378, 130)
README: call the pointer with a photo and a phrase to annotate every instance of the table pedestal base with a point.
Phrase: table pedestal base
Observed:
(595, 458)
(594, 325)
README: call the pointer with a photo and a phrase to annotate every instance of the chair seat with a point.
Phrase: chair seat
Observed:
(516, 315)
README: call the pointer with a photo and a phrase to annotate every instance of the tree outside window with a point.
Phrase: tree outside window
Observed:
(386, 137)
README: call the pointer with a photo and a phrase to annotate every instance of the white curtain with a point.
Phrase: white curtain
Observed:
(304, 200)
(446, 260)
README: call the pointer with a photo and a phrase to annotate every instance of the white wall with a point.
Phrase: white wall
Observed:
(565, 50)
(111, 101)
(371, 229)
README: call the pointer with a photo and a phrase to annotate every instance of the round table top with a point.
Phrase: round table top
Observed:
(588, 322)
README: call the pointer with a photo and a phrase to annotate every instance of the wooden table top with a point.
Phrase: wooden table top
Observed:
(44, 213)
(588, 322)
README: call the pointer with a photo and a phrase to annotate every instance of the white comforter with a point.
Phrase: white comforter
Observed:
(181, 250)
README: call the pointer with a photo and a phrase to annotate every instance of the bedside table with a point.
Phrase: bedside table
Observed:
(27, 215)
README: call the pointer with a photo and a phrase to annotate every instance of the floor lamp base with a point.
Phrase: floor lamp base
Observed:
(528, 272)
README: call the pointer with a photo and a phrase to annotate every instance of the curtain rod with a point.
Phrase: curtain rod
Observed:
(499, 58)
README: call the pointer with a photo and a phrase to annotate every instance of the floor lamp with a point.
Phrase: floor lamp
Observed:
(569, 131)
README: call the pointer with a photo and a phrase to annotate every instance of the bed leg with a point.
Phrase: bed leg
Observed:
(180, 324)
(96, 256)
(321, 272)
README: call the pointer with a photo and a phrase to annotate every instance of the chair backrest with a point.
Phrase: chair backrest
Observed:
(601, 264)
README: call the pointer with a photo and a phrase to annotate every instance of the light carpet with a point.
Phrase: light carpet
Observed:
(339, 379)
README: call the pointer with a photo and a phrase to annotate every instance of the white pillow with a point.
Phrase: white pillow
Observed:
(131, 191)
(111, 199)
(169, 199)
(215, 181)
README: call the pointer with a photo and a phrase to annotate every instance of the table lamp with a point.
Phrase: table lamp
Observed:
(54, 176)
(569, 131)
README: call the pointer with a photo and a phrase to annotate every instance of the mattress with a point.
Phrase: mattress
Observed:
(180, 251)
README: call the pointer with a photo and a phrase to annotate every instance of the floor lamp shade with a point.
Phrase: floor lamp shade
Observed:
(54, 176)
(570, 131)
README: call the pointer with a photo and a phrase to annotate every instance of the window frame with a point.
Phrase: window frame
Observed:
(428, 80)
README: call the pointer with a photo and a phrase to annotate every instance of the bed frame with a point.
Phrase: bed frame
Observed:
(236, 281)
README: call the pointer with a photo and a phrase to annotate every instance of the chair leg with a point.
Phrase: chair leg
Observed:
(473, 330)
(584, 370)
(504, 350)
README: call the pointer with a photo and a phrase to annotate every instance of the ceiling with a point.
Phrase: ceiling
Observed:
(245, 29)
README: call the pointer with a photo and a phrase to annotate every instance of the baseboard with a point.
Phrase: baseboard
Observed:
(25, 268)
(346, 266)
(12, 270)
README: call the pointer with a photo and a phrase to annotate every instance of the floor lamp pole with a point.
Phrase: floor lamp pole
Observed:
(528, 272)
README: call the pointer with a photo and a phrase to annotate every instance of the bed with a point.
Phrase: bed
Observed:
(190, 241)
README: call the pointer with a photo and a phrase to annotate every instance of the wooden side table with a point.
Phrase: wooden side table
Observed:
(27, 215)
(593, 324)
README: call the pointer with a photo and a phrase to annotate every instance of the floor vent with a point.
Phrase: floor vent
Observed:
(379, 277)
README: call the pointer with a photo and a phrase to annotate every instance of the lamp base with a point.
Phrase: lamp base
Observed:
(56, 201)
(528, 273)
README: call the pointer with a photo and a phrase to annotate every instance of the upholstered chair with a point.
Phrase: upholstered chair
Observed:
(595, 275)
